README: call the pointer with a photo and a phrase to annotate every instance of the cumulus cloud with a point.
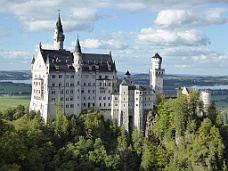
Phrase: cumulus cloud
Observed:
(81, 15)
(178, 38)
(171, 19)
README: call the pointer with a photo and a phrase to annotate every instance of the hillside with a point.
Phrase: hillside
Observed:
(15, 75)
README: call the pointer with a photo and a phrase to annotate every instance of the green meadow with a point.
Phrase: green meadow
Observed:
(13, 101)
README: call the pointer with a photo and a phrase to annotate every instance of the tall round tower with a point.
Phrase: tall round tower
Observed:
(58, 36)
(156, 61)
(127, 77)
(156, 74)
(205, 96)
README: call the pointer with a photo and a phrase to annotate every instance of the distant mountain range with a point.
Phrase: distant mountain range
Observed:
(26, 74)
(15, 75)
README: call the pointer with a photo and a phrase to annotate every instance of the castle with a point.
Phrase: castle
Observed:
(85, 80)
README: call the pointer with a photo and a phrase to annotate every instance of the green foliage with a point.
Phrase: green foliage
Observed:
(180, 140)
(137, 138)
(61, 122)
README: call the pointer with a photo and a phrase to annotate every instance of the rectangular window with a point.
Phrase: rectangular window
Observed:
(60, 76)
(67, 106)
(72, 106)
(71, 98)
(72, 76)
(53, 76)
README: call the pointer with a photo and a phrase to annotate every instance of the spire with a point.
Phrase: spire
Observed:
(59, 24)
(78, 47)
(114, 65)
(40, 46)
(33, 60)
(58, 36)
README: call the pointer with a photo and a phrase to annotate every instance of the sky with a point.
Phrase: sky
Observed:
(190, 36)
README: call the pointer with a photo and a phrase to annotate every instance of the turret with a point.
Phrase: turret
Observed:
(156, 74)
(156, 61)
(127, 77)
(77, 55)
(58, 36)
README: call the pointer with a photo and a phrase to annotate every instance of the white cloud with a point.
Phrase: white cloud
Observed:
(81, 15)
(166, 38)
(173, 19)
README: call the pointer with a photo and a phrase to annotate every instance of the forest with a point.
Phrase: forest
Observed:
(179, 140)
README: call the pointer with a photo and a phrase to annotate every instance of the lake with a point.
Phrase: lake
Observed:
(216, 87)
(18, 81)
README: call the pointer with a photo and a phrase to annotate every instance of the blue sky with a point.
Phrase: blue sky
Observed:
(191, 36)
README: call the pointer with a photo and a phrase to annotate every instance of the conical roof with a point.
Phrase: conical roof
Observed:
(157, 56)
(127, 73)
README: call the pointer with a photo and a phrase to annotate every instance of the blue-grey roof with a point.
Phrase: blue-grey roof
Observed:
(62, 60)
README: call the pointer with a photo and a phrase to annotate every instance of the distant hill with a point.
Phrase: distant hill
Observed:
(15, 75)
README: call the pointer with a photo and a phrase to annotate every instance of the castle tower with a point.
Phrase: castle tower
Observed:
(58, 36)
(156, 74)
(127, 77)
(78, 75)
(77, 56)
(205, 96)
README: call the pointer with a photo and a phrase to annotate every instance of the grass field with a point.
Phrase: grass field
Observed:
(221, 101)
(13, 101)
